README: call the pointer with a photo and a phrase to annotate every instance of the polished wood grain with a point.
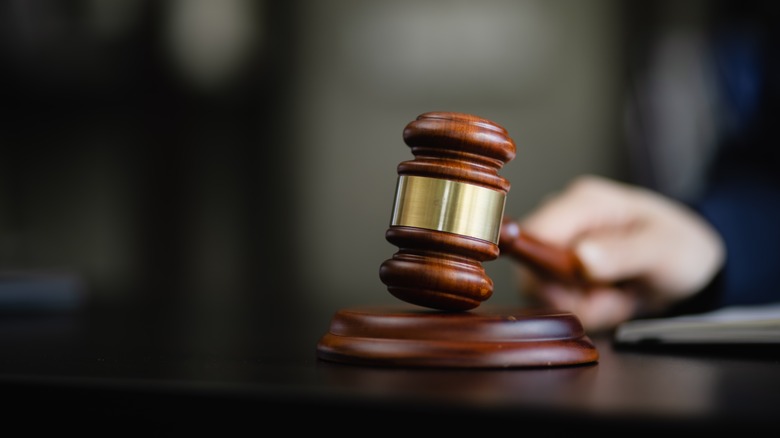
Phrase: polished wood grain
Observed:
(488, 337)
(459, 147)
(437, 269)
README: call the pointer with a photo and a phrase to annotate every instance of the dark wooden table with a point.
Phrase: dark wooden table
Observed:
(136, 367)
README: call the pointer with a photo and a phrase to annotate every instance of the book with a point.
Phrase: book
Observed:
(734, 325)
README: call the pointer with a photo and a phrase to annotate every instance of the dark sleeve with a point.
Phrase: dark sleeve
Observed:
(742, 202)
(742, 198)
(742, 195)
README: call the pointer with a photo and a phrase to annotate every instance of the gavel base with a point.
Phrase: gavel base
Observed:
(486, 337)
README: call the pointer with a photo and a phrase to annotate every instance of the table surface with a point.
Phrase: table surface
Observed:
(196, 366)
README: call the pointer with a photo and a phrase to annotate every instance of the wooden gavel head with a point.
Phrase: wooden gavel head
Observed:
(448, 211)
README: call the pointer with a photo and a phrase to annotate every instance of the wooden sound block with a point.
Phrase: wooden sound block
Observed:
(487, 337)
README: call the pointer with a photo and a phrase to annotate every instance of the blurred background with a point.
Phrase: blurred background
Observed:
(224, 161)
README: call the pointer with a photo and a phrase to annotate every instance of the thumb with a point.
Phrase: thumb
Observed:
(616, 255)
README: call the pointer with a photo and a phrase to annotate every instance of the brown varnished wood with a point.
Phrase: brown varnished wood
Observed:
(438, 270)
(459, 147)
(488, 337)
(545, 259)
(444, 270)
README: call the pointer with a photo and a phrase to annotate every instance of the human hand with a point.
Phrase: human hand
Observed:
(637, 252)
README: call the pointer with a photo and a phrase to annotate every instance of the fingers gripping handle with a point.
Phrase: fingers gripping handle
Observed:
(560, 263)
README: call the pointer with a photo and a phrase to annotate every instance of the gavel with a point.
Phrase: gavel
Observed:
(448, 216)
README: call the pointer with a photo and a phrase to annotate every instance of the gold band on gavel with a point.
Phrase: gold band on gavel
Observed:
(449, 206)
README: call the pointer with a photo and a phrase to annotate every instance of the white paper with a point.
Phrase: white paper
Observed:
(730, 325)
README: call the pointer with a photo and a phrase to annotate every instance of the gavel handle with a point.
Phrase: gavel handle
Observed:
(561, 263)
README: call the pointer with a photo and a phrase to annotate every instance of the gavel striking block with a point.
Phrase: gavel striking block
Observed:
(447, 219)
